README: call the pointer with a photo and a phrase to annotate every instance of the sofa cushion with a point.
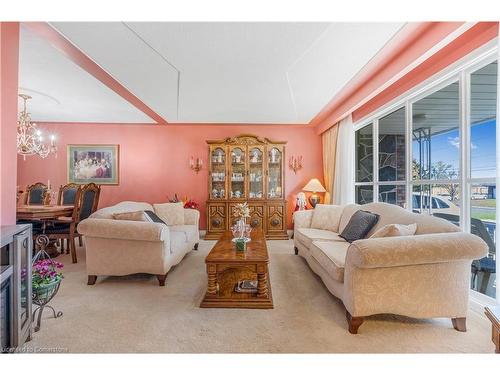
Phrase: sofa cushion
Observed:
(347, 213)
(360, 224)
(307, 235)
(125, 206)
(331, 256)
(326, 216)
(190, 231)
(152, 217)
(132, 216)
(170, 213)
(392, 214)
(395, 230)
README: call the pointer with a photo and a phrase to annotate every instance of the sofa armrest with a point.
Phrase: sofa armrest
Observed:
(191, 217)
(302, 219)
(419, 249)
(124, 229)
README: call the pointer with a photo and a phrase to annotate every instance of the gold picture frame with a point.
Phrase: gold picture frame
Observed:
(97, 163)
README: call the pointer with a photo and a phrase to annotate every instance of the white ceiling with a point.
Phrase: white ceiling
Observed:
(193, 72)
(64, 92)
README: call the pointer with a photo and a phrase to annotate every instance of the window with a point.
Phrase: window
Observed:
(482, 200)
(391, 147)
(435, 135)
(429, 158)
(390, 161)
(364, 194)
(364, 154)
(436, 152)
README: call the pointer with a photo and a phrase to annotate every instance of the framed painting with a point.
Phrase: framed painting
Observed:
(93, 163)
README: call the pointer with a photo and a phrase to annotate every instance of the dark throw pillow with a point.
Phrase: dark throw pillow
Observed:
(153, 217)
(359, 226)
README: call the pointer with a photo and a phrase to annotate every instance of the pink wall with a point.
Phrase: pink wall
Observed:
(154, 159)
(9, 56)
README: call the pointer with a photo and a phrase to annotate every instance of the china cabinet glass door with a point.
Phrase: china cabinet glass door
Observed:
(218, 173)
(256, 173)
(237, 173)
(275, 173)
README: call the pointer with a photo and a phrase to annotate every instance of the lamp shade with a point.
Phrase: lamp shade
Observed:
(315, 186)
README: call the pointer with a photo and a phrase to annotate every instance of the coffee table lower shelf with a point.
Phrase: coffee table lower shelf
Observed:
(244, 301)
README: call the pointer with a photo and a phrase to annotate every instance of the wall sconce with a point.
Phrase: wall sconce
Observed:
(196, 165)
(295, 163)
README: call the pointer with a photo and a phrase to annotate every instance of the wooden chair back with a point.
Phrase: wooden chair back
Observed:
(67, 194)
(37, 194)
(86, 201)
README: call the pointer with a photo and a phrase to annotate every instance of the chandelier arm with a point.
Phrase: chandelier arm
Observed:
(29, 139)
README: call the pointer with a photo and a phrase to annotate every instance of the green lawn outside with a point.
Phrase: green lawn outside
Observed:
(484, 216)
(483, 203)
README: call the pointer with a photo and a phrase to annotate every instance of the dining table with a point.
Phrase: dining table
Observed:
(45, 214)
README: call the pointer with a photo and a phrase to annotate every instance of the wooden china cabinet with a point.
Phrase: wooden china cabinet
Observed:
(246, 169)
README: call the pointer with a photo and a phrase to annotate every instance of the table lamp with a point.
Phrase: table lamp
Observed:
(314, 186)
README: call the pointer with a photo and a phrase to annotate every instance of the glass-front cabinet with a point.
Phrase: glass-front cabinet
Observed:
(247, 169)
(238, 172)
(217, 177)
(256, 172)
(275, 172)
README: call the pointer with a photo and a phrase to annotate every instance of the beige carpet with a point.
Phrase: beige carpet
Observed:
(134, 314)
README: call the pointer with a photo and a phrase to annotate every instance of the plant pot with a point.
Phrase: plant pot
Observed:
(44, 293)
(241, 244)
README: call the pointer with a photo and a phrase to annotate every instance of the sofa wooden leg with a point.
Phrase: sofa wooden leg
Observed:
(296, 250)
(92, 279)
(354, 322)
(459, 324)
(196, 246)
(161, 279)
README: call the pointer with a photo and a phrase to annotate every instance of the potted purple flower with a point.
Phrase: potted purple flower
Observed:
(46, 274)
(46, 279)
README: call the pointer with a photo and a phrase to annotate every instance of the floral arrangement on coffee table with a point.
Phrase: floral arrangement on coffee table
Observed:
(242, 211)
(241, 231)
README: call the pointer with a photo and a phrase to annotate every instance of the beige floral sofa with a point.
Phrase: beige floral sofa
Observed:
(425, 275)
(124, 247)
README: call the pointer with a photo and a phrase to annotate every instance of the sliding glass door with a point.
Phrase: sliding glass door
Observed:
(436, 154)
(481, 177)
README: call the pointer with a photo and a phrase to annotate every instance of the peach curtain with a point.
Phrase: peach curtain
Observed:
(329, 141)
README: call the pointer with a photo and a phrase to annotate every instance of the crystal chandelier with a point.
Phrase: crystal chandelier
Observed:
(29, 137)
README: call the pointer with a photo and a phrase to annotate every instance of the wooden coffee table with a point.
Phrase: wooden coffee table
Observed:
(226, 266)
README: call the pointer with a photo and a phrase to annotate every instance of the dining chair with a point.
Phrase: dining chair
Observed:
(37, 194)
(86, 201)
(67, 195)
